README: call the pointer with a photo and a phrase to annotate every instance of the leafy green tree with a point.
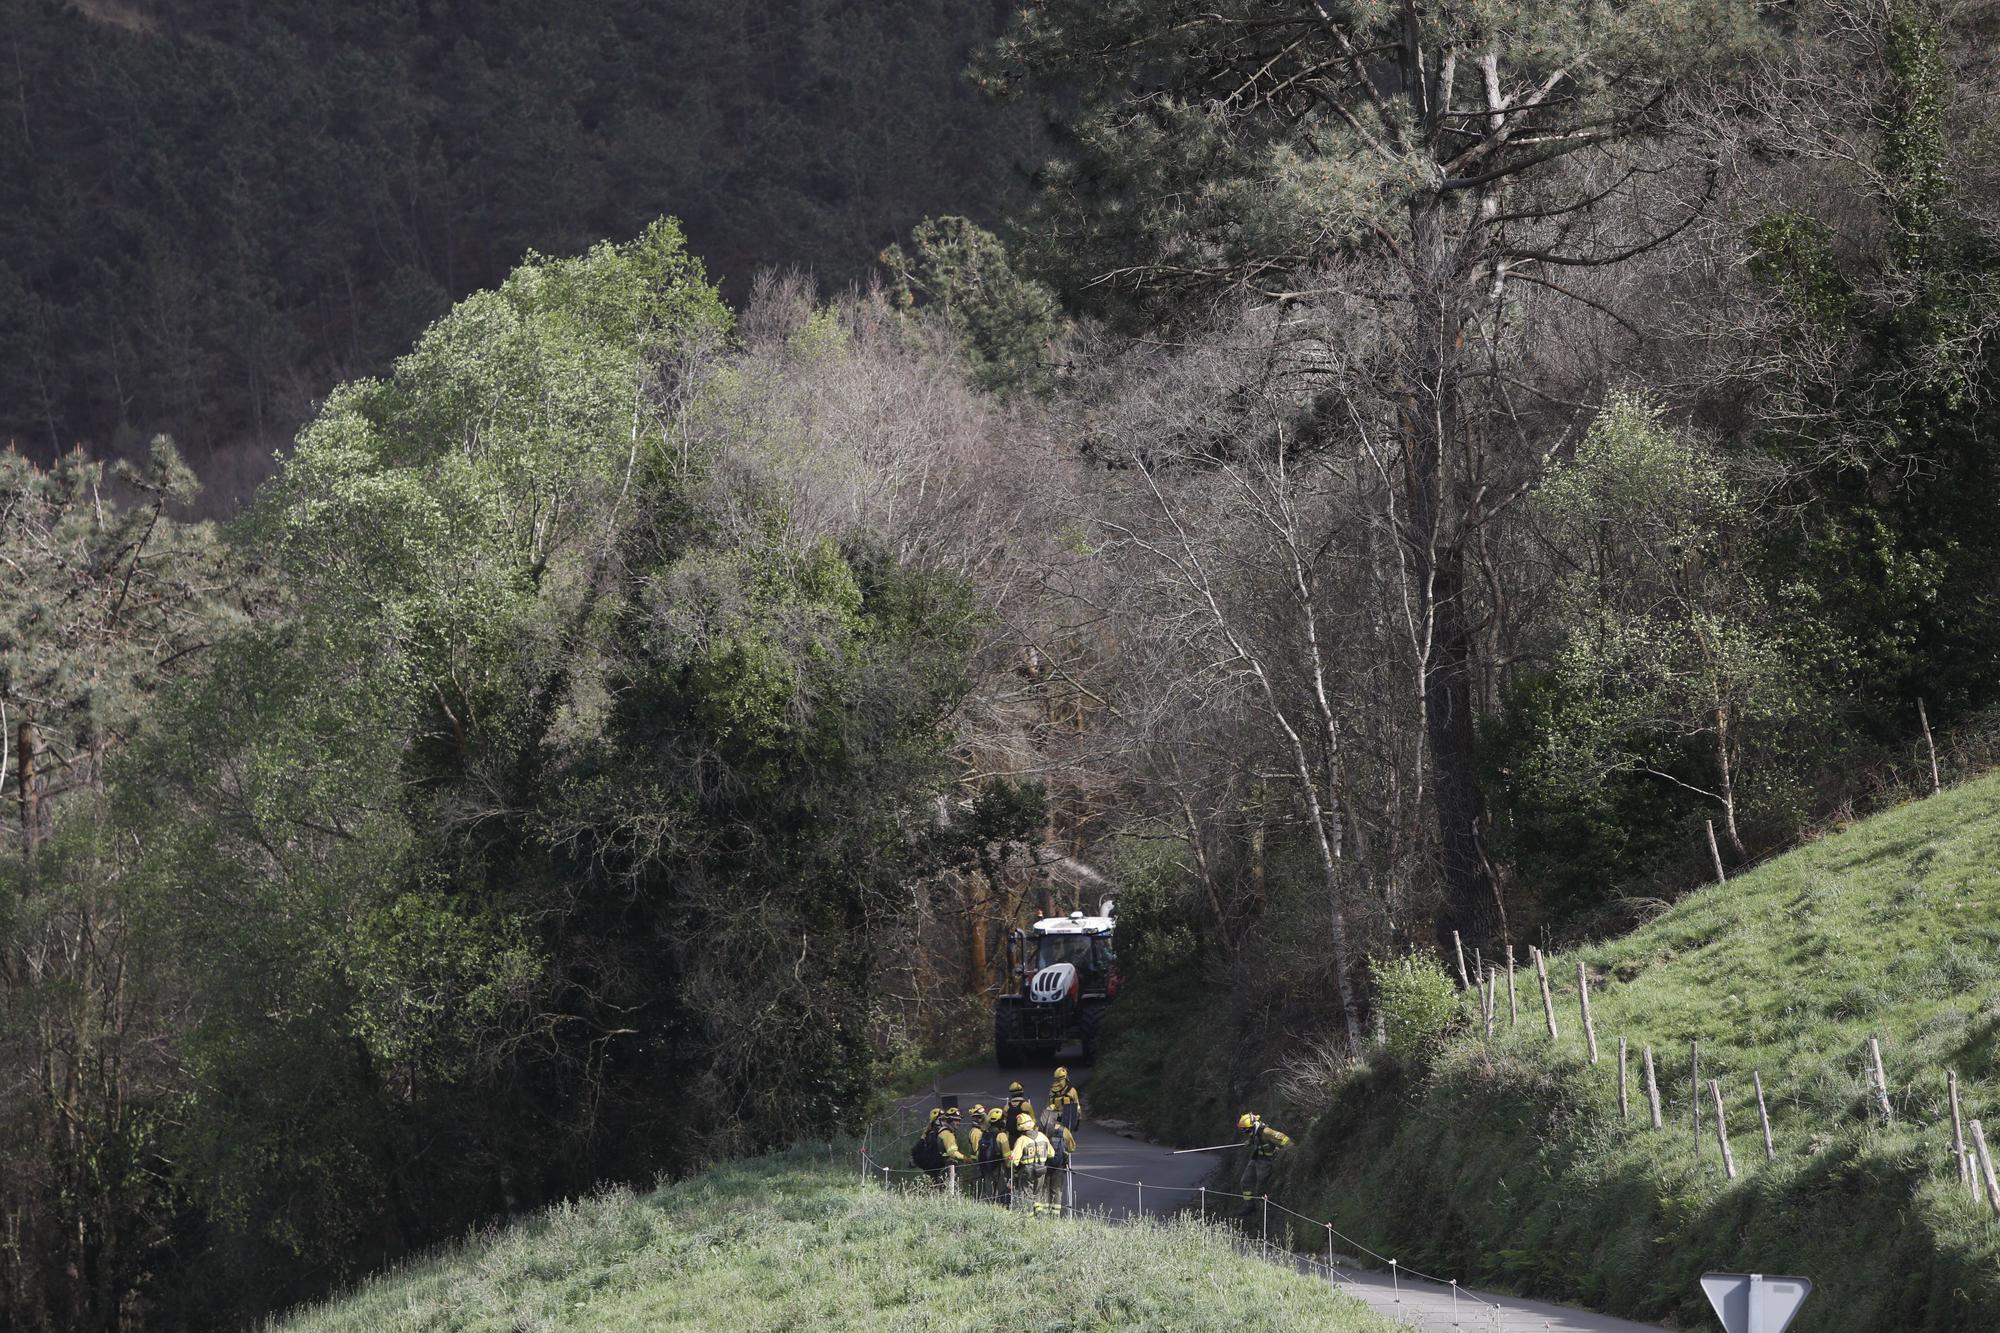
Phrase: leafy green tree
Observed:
(1007, 321)
(1673, 671)
(1875, 361)
(551, 828)
(105, 600)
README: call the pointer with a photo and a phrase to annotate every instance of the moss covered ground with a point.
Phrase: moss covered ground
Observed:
(792, 1243)
(1507, 1161)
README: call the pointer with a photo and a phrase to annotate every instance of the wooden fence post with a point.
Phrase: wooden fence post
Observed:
(1583, 994)
(1722, 1130)
(1548, 1000)
(1924, 717)
(1513, 1004)
(1715, 853)
(1764, 1116)
(1492, 986)
(1986, 1167)
(1458, 947)
(1694, 1087)
(1652, 1088)
(1958, 1130)
(1881, 1082)
(1624, 1098)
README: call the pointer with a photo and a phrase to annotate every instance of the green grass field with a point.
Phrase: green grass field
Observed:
(790, 1243)
(1508, 1162)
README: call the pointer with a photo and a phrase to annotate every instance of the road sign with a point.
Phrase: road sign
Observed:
(1753, 1303)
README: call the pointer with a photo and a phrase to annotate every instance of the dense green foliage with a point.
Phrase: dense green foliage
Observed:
(209, 216)
(541, 827)
(793, 1242)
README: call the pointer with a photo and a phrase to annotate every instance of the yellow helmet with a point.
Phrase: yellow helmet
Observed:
(979, 1110)
(1014, 1088)
(1062, 1074)
(997, 1114)
(936, 1111)
(1025, 1123)
(1246, 1120)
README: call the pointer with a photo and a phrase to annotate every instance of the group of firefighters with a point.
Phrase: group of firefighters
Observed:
(1008, 1151)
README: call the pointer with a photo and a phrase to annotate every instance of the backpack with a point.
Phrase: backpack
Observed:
(926, 1155)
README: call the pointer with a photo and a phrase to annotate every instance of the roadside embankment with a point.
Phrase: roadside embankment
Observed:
(793, 1242)
(1508, 1160)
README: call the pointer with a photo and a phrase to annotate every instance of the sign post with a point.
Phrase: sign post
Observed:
(1754, 1303)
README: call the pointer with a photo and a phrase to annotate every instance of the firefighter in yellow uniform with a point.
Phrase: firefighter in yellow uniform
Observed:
(1066, 1102)
(993, 1150)
(975, 1120)
(1028, 1160)
(1264, 1144)
(975, 1134)
(948, 1131)
(1018, 1103)
(1064, 1144)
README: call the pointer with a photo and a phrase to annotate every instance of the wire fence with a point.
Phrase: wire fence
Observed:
(1716, 1111)
(1411, 1297)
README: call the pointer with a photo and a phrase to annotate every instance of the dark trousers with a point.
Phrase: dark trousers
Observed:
(1256, 1182)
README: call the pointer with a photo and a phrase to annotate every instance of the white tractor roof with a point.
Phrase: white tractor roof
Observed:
(1074, 925)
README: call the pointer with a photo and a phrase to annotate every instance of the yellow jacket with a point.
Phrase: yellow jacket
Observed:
(972, 1138)
(1031, 1150)
(948, 1144)
(1265, 1141)
(1062, 1097)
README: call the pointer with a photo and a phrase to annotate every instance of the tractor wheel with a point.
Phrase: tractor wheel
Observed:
(1007, 1036)
(1090, 1020)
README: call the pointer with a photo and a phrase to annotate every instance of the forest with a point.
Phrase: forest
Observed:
(570, 570)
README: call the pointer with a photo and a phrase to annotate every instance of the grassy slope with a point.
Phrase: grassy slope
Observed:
(791, 1243)
(1510, 1164)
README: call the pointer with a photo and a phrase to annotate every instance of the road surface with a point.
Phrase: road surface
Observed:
(1117, 1176)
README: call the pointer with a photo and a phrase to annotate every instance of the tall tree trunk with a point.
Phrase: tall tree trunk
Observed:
(1442, 292)
(1471, 905)
(975, 933)
(28, 782)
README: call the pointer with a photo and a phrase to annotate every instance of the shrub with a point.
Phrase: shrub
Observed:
(1418, 1004)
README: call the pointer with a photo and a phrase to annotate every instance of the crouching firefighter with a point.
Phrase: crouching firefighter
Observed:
(1028, 1161)
(1264, 1144)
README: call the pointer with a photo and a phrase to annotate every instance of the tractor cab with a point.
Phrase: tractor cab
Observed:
(1063, 970)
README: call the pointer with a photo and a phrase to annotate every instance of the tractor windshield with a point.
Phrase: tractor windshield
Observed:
(1085, 952)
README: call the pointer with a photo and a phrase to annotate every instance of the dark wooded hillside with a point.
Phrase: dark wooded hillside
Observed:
(212, 213)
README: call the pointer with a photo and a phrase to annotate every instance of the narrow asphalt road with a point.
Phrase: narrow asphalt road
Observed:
(1117, 1176)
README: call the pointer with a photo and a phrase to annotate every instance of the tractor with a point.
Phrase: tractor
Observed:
(1063, 971)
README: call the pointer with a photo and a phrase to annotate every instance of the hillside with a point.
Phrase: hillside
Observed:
(1510, 1159)
(791, 1242)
